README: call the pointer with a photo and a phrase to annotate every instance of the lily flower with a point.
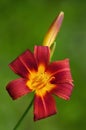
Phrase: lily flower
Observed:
(42, 77)
(39, 75)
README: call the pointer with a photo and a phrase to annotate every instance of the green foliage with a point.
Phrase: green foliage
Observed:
(23, 23)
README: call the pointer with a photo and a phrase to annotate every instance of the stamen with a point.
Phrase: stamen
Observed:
(40, 81)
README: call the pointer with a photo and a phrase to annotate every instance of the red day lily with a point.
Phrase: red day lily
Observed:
(41, 76)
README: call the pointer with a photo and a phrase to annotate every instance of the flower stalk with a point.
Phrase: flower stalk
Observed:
(24, 114)
(52, 49)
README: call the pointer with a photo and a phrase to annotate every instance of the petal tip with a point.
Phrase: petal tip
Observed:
(17, 88)
(36, 119)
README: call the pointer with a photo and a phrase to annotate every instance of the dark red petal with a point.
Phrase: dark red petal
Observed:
(17, 88)
(62, 77)
(63, 90)
(28, 60)
(42, 54)
(19, 68)
(44, 106)
(58, 66)
(23, 64)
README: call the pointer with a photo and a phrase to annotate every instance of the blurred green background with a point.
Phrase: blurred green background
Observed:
(23, 24)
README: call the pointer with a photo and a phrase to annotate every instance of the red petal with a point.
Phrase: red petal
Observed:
(62, 77)
(63, 90)
(42, 54)
(28, 60)
(23, 64)
(57, 66)
(19, 68)
(60, 70)
(44, 106)
(17, 88)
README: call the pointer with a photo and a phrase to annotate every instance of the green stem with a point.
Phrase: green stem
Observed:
(52, 49)
(24, 114)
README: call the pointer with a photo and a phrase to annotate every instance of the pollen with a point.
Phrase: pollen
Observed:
(40, 81)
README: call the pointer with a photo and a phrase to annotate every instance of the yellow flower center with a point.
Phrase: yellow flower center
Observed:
(40, 81)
